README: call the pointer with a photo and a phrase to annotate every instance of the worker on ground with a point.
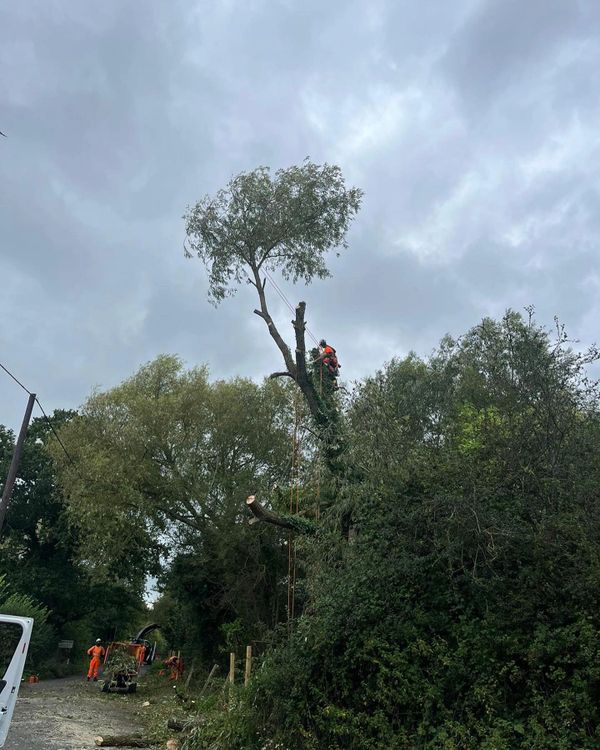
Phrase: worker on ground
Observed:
(97, 653)
(175, 664)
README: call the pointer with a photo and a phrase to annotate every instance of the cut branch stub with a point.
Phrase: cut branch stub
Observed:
(293, 523)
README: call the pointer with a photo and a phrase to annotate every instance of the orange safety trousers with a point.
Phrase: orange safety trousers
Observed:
(94, 666)
(96, 652)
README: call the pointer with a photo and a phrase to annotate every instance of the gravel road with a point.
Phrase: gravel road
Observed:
(67, 714)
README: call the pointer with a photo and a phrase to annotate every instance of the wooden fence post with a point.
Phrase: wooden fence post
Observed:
(232, 667)
(248, 665)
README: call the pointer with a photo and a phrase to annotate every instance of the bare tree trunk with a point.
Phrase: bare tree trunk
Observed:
(323, 408)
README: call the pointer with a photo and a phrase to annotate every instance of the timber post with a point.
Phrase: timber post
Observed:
(248, 669)
(232, 667)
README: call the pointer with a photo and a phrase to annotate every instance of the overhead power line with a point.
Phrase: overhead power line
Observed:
(18, 382)
(49, 421)
(38, 402)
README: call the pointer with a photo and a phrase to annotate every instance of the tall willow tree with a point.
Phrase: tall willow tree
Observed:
(284, 223)
(287, 223)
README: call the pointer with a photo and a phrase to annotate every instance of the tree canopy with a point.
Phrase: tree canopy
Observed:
(44, 576)
(286, 222)
(161, 466)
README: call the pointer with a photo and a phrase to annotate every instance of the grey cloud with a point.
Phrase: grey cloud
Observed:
(470, 125)
(506, 40)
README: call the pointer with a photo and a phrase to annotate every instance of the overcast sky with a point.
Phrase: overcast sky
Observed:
(471, 125)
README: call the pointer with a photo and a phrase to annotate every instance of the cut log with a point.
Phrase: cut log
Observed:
(123, 740)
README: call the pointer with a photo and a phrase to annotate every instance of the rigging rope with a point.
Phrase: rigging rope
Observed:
(288, 303)
(294, 506)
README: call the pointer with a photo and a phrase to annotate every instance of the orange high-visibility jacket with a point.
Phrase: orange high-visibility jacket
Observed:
(96, 652)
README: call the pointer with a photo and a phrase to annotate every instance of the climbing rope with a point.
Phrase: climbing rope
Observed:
(294, 508)
(294, 505)
(289, 304)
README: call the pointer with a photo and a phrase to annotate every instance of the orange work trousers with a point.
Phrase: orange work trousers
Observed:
(94, 666)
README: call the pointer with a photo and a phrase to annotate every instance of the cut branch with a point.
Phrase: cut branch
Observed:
(293, 523)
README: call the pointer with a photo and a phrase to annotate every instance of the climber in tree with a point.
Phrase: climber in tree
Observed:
(325, 367)
(329, 359)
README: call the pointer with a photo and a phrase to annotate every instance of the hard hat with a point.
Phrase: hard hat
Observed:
(98, 640)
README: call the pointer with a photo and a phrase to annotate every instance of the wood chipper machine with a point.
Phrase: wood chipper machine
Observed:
(124, 661)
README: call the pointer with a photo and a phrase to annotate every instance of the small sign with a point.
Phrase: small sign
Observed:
(65, 644)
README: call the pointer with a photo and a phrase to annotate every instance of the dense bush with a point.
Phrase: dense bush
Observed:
(465, 612)
(43, 643)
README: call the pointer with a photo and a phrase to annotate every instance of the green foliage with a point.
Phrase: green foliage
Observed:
(167, 455)
(286, 222)
(38, 552)
(228, 720)
(37, 544)
(162, 466)
(43, 640)
(120, 661)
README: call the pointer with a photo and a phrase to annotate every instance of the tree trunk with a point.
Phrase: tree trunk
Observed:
(322, 406)
(266, 316)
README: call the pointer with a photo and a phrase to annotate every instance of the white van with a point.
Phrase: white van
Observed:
(15, 634)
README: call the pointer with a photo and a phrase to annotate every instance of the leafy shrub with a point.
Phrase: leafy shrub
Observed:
(44, 643)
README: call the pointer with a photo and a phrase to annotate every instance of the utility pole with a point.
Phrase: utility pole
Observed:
(14, 464)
